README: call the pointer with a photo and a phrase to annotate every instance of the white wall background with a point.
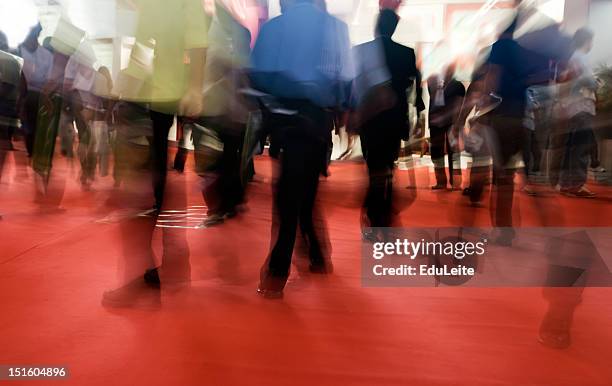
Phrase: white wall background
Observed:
(600, 18)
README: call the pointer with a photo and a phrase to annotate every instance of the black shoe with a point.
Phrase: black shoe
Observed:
(555, 339)
(212, 220)
(321, 268)
(269, 293)
(466, 191)
(505, 238)
(438, 187)
(230, 214)
(134, 294)
(151, 277)
(369, 236)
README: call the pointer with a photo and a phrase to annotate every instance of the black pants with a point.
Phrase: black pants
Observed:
(302, 160)
(87, 156)
(5, 145)
(223, 189)
(506, 142)
(31, 105)
(159, 153)
(380, 150)
(532, 153)
(439, 146)
(379, 199)
(580, 140)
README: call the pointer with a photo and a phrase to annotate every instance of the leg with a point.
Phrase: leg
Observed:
(5, 141)
(577, 155)
(378, 200)
(31, 120)
(527, 153)
(230, 173)
(83, 121)
(594, 151)
(559, 134)
(438, 141)
(209, 160)
(506, 143)
(288, 201)
(302, 161)
(454, 163)
(136, 228)
(504, 195)
(312, 225)
(181, 154)
(159, 153)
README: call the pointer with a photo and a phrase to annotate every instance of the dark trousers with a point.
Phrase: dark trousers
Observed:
(532, 153)
(594, 153)
(223, 189)
(5, 145)
(380, 154)
(578, 148)
(302, 160)
(480, 170)
(87, 156)
(31, 105)
(439, 146)
(159, 153)
(506, 141)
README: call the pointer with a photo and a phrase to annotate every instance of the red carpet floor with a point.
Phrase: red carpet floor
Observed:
(55, 266)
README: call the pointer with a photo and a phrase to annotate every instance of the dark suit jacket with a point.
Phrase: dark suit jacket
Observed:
(454, 92)
(400, 60)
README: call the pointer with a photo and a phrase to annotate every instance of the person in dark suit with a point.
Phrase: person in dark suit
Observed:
(445, 98)
(383, 114)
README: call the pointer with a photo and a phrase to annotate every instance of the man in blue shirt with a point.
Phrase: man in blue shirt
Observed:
(302, 58)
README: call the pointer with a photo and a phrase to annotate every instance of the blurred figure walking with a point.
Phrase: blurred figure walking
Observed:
(386, 72)
(37, 67)
(302, 59)
(580, 109)
(445, 100)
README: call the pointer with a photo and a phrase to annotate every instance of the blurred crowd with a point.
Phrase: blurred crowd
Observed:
(230, 86)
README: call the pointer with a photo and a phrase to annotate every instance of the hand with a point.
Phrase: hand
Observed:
(46, 101)
(191, 105)
(453, 139)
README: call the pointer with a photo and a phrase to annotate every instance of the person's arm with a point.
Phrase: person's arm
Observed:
(191, 104)
(470, 100)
